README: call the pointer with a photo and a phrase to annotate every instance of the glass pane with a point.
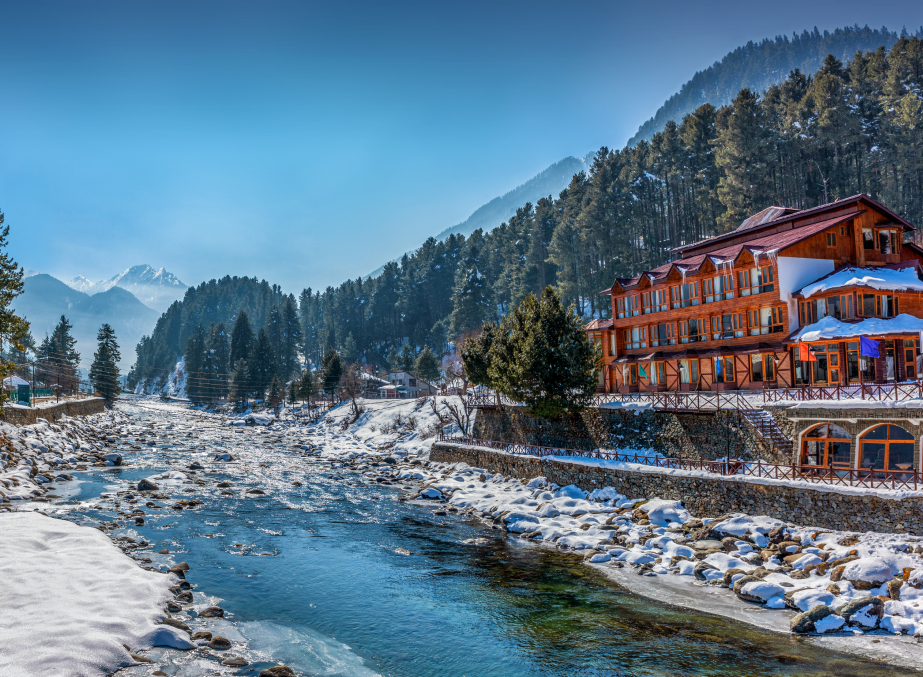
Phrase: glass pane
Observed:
(877, 433)
(838, 432)
(900, 456)
(873, 455)
(812, 453)
(838, 453)
(895, 432)
(819, 431)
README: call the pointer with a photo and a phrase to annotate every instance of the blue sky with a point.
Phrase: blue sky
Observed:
(307, 143)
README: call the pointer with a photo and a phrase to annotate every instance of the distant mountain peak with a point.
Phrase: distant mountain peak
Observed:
(155, 287)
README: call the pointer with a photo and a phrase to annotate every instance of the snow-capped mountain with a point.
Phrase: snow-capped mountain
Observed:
(28, 272)
(155, 288)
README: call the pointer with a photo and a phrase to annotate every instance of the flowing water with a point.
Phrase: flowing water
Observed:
(338, 577)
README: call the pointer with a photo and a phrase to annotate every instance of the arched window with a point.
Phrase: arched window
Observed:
(826, 445)
(886, 447)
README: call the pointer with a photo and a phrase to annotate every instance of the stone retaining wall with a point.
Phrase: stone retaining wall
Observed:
(706, 436)
(17, 416)
(706, 497)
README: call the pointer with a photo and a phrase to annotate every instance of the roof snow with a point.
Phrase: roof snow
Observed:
(832, 328)
(892, 279)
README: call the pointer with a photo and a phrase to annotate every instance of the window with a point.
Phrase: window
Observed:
(825, 446)
(693, 330)
(636, 337)
(911, 351)
(685, 295)
(612, 344)
(729, 325)
(868, 304)
(646, 303)
(620, 307)
(724, 369)
(688, 371)
(763, 367)
(765, 320)
(755, 281)
(658, 373)
(658, 300)
(888, 305)
(852, 361)
(895, 242)
(840, 307)
(868, 238)
(663, 335)
(626, 306)
(719, 288)
(886, 447)
(884, 241)
(831, 239)
(630, 374)
(413, 383)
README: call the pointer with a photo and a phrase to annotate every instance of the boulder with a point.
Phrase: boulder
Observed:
(219, 643)
(708, 544)
(894, 588)
(147, 485)
(173, 623)
(757, 591)
(865, 612)
(278, 671)
(701, 568)
(776, 534)
(113, 459)
(821, 619)
(729, 575)
(867, 573)
(203, 635)
(195, 465)
(235, 662)
(212, 612)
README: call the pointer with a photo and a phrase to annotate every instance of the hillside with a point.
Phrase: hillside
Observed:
(548, 182)
(757, 66)
(45, 299)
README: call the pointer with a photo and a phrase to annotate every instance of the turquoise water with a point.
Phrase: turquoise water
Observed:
(340, 578)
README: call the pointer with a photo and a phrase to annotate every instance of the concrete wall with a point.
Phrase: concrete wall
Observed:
(17, 416)
(706, 497)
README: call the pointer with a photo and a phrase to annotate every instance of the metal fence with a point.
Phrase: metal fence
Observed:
(849, 477)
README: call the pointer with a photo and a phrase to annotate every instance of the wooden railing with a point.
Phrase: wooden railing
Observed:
(850, 477)
(875, 392)
(665, 401)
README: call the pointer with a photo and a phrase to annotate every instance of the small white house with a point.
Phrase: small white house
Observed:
(406, 385)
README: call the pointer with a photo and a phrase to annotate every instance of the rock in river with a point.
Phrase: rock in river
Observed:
(219, 643)
(212, 612)
(278, 671)
(235, 662)
(147, 485)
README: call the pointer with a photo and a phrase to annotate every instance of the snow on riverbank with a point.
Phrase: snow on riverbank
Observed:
(71, 600)
(34, 457)
(834, 581)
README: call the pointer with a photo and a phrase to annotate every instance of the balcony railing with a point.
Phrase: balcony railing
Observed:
(874, 392)
(849, 477)
(706, 400)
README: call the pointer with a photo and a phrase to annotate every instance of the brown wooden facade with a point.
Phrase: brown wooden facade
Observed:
(722, 315)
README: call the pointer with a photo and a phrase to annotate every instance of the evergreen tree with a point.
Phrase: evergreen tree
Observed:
(263, 364)
(58, 359)
(427, 366)
(471, 298)
(292, 392)
(332, 369)
(407, 358)
(217, 362)
(240, 385)
(14, 330)
(292, 338)
(104, 374)
(307, 386)
(350, 353)
(197, 382)
(241, 338)
(541, 357)
(276, 391)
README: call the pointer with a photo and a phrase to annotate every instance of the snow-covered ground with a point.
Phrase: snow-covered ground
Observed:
(72, 601)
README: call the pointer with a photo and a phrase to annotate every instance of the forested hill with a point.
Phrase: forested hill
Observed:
(854, 127)
(757, 66)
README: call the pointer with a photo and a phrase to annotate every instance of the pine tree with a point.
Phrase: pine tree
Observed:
(307, 386)
(196, 375)
(407, 358)
(292, 392)
(263, 364)
(240, 385)
(541, 357)
(292, 338)
(350, 353)
(58, 358)
(276, 392)
(241, 338)
(332, 369)
(14, 330)
(427, 366)
(104, 370)
(471, 297)
(217, 362)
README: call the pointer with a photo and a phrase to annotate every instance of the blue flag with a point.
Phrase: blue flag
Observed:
(718, 362)
(868, 347)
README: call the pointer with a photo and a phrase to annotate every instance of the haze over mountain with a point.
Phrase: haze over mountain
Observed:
(756, 66)
(548, 182)
(155, 288)
(45, 299)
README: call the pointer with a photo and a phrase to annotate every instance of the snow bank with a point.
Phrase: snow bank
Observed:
(832, 328)
(71, 599)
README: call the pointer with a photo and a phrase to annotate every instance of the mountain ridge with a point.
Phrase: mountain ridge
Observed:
(156, 288)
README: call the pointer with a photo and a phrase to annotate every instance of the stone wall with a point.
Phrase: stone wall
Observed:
(707, 436)
(707, 497)
(17, 416)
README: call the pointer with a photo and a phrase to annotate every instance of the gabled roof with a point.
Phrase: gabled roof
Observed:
(903, 276)
(598, 325)
(765, 216)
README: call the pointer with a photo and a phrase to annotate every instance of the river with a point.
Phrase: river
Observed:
(339, 577)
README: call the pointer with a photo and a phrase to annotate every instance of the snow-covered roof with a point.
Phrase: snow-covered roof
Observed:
(14, 380)
(832, 328)
(887, 278)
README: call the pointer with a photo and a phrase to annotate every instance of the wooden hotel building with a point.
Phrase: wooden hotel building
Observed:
(730, 312)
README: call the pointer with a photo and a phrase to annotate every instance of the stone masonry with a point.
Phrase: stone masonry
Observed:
(19, 416)
(707, 497)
